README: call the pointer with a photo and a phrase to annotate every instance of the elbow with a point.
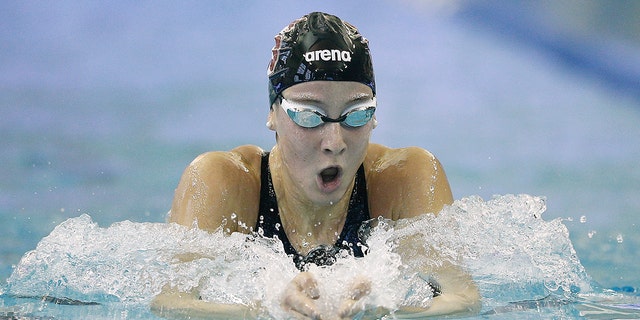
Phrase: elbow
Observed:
(462, 302)
(471, 299)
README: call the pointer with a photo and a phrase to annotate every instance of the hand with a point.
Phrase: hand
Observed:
(299, 297)
(359, 288)
(302, 292)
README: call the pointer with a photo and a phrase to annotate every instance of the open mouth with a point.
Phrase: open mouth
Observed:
(329, 179)
(330, 175)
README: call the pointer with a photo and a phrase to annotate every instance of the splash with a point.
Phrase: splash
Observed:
(511, 252)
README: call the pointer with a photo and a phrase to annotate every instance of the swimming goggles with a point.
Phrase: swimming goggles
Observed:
(309, 116)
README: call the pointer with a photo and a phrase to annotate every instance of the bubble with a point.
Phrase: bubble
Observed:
(619, 238)
(583, 219)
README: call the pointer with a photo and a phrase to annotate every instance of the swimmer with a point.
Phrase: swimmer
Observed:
(321, 180)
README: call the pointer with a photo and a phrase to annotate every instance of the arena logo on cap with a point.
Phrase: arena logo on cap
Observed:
(328, 55)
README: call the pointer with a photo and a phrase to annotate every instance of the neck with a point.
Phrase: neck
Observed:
(306, 224)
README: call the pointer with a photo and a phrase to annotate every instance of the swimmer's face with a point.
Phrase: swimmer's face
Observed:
(322, 161)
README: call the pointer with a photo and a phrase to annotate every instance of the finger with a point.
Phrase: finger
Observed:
(305, 282)
(300, 305)
(359, 288)
(299, 295)
(347, 309)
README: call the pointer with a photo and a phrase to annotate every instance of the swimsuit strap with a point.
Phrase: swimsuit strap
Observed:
(270, 225)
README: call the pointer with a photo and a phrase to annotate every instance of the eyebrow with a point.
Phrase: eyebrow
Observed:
(313, 99)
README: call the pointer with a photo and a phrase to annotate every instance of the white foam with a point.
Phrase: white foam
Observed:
(504, 243)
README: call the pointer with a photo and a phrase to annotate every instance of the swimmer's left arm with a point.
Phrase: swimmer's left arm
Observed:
(423, 188)
(458, 294)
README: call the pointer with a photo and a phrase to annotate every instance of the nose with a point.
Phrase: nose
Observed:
(333, 141)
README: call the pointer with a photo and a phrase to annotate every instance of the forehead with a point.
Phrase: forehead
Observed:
(329, 92)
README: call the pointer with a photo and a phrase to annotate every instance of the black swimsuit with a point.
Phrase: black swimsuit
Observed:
(269, 223)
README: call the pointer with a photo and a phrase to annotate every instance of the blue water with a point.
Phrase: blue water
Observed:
(104, 104)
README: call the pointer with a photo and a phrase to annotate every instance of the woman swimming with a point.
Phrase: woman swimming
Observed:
(321, 180)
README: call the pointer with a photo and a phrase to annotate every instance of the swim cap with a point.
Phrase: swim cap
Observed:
(319, 46)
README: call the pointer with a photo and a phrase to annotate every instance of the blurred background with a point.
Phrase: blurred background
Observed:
(103, 104)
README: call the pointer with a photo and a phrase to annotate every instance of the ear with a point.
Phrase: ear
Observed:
(375, 122)
(270, 120)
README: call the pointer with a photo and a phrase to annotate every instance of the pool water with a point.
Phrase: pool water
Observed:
(103, 105)
(526, 265)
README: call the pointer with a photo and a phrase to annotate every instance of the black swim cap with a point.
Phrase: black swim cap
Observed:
(319, 46)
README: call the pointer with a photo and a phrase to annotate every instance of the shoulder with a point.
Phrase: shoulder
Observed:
(405, 181)
(219, 185)
(242, 157)
(224, 166)
(401, 162)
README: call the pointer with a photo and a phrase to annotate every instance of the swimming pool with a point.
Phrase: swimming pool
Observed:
(527, 265)
(91, 124)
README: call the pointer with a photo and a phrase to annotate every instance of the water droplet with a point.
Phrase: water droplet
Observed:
(277, 226)
(233, 216)
(591, 234)
(309, 234)
(330, 203)
(583, 219)
(619, 238)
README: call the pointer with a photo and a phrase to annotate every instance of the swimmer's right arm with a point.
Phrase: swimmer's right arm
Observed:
(218, 188)
(173, 304)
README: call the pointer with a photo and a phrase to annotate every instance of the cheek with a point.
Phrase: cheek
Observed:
(359, 139)
(360, 144)
(296, 143)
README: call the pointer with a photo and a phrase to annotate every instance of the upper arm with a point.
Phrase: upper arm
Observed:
(426, 184)
(406, 182)
(217, 188)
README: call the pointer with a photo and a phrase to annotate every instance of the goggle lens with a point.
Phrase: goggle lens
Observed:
(308, 117)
